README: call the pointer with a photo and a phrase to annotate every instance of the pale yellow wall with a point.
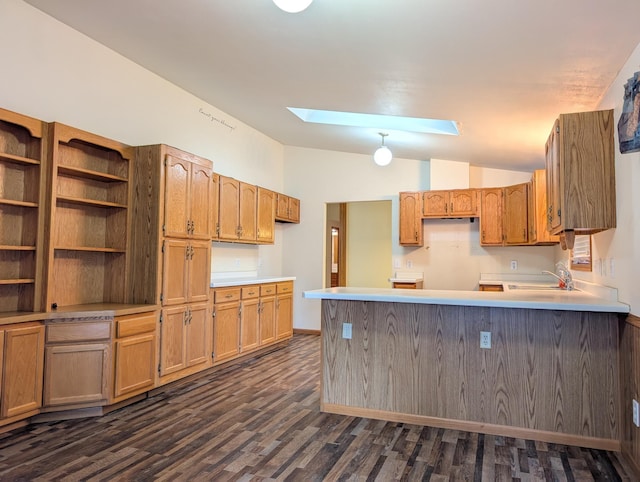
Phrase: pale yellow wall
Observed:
(369, 244)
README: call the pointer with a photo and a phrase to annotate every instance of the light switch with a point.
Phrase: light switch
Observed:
(346, 331)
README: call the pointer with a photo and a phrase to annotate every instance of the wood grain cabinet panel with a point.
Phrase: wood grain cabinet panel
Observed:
(491, 217)
(267, 320)
(287, 209)
(250, 324)
(229, 209)
(226, 330)
(580, 163)
(284, 316)
(266, 215)
(515, 221)
(411, 233)
(135, 360)
(77, 363)
(248, 212)
(22, 370)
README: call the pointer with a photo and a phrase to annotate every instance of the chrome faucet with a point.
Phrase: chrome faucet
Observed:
(564, 275)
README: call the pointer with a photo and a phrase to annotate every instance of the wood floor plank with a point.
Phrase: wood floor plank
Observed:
(260, 421)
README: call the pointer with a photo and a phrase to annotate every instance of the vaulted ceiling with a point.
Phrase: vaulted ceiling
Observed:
(503, 69)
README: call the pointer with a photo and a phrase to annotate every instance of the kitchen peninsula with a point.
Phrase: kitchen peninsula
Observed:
(414, 356)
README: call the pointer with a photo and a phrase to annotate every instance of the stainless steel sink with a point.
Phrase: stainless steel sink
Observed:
(534, 287)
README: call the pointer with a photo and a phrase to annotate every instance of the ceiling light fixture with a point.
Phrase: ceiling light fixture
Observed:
(383, 155)
(292, 6)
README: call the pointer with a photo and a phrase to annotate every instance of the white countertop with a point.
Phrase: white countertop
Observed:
(242, 281)
(543, 299)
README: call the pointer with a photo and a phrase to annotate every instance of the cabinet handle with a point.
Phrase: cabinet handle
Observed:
(524, 234)
(451, 210)
(229, 295)
(446, 208)
(416, 235)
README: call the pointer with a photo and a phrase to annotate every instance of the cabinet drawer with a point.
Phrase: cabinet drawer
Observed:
(136, 324)
(249, 292)
(226, 294)
(286, 287)
(266, 290)
(80, 331)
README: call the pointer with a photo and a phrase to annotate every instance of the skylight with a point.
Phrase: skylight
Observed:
(354, 119)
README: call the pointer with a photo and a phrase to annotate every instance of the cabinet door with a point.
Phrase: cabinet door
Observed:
(410, 219)
(23, 370)
(197, 335)
(491, 217)
(294, 210)
(266, 215)
(135, 364)
(200, 202)
(199, 271)
(538, 212)
(249, 327)
(176, 198)
(175, 276)
(226, 331)
(463, 202)
(248, 214)
(435, 204)
(282, 207)
(267, 320)
(77, 374)
(515, 221)
(229, 208)
(284, 316)
(173, 340)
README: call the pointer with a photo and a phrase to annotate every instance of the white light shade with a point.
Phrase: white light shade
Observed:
(382, 156)
(292, 6)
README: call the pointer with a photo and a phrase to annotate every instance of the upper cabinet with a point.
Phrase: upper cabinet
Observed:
(538, 233)
(22, 180)
(188, 199)
(237, 210)
(444, 204)
(287, 209)
(89, 218)
(491, 202)
(410, 219)
(515, 223)
(581, 175)
(266, 215)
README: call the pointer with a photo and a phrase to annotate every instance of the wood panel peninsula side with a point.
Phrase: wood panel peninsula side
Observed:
(414, 356)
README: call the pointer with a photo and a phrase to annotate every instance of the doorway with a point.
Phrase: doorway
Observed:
(358, 244)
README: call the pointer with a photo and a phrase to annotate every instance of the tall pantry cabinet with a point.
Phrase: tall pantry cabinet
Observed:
(171, 246)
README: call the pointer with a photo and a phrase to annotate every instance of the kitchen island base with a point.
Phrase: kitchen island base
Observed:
(550, 375)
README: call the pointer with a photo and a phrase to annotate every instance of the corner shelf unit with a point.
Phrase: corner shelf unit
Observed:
(21, 213)
(89, 218)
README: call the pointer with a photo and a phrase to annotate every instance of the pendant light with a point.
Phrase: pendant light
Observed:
(292, 6)
(383, 155)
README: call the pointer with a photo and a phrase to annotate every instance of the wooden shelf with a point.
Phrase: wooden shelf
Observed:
(16, 248)
(4, 156)
(90, 249)
(23, 281)
(89, 174)
(22, 204)
(90, 202)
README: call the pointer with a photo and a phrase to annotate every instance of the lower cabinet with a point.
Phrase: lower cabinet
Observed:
(247, 318)
(284, 310)
(21, 371)
(184, 340)
(135, 349)
(77, 364)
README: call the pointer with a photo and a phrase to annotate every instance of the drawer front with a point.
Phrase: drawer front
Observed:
(267, 290)
(285, 287)
(78, 331)
(136, 324)
(223, 295)
(249, 292)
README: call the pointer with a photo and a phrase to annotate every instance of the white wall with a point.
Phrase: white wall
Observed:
(622, 245)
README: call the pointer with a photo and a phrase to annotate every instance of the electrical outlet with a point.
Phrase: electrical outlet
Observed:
(485, 339)
(346, 331)
(397, 263)
(612, 268)
(636, 413)
(514, 265)
(409, 263)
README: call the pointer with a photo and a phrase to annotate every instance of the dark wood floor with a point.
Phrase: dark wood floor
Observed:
(260, 421)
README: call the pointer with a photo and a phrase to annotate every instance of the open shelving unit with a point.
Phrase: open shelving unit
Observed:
(21, 213)
(89, 218)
